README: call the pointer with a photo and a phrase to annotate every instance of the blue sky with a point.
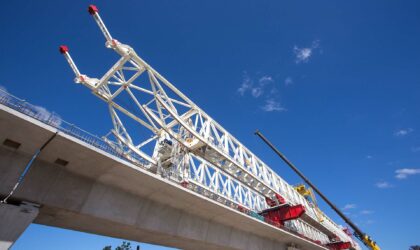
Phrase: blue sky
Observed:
(335, 85)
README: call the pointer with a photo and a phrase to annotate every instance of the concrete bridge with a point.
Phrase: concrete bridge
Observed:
(78, 186)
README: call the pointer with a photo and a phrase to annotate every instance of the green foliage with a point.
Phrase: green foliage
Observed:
(124, 246)
(416, 247)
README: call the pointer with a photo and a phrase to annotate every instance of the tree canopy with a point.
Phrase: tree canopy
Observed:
(124, 246)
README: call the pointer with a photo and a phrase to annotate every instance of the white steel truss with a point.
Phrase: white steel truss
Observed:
(189, 146)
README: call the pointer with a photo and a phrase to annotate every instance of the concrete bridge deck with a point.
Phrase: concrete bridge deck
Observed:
(99, 193)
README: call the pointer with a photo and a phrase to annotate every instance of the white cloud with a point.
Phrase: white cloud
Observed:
(383, 184)
(272, 105)
(302, 55)
(38, 112)
(263, 88)
(42, 112)
(366, 212)
(44, 115)
(246, 84)
(405, 172)
(264, 80)
(403, 132)
(393, 163)
(256, 92)
(4, 95)
(369, 222)
(349, 206)
(288, 81)
(369, 157)
(415, 149)
(262, 83)
(3, 91)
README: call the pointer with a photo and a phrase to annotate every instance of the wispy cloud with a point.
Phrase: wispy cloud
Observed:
(256, 92)
(369, 222)
(366, 212)
(415, 149)
(403, 132)
(349, 206)
(273, 105)
(255, 89)
(369, 157)
(405, 172)
(288, 81)
(45, 115)
(264, 80)
(3, 91)
(383, 184)
(302, 55)
(38, 112)
(245, 85)
(394, 163)
(263, 88)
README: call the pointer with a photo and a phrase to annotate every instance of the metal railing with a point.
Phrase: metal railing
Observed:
(52, 119)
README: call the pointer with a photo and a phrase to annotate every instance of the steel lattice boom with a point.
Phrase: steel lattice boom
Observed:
(187, 145)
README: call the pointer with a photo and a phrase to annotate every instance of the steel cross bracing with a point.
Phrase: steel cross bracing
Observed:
(190, 146)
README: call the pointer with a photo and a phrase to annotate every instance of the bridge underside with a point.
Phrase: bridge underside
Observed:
(80, 187)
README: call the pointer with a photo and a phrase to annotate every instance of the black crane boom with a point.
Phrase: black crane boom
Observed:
(357, 232)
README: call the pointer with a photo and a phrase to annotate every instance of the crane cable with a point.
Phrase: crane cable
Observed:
(357, 232)
(28, 166)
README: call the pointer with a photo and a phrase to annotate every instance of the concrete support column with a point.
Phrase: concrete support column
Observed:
(13, 221)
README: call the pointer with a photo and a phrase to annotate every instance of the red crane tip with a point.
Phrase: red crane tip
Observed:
(63, 49)
(92, 9)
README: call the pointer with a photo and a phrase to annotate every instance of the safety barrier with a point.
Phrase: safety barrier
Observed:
(54, 120)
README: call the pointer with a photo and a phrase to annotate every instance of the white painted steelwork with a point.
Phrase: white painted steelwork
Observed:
(190, 147)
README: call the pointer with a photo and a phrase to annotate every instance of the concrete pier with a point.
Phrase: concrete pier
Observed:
(13, 222)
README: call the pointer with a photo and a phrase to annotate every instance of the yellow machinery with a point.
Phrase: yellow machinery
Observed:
(309, 193)
(310, 196)
(370, 243)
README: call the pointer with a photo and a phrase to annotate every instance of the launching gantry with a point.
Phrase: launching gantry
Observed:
(187, 146)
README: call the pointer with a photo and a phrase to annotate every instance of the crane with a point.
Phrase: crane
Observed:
(177, 140)
(357, 232)
(308, 193)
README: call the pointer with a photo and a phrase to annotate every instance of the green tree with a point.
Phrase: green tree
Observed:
(416, 247)
(124, 246)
